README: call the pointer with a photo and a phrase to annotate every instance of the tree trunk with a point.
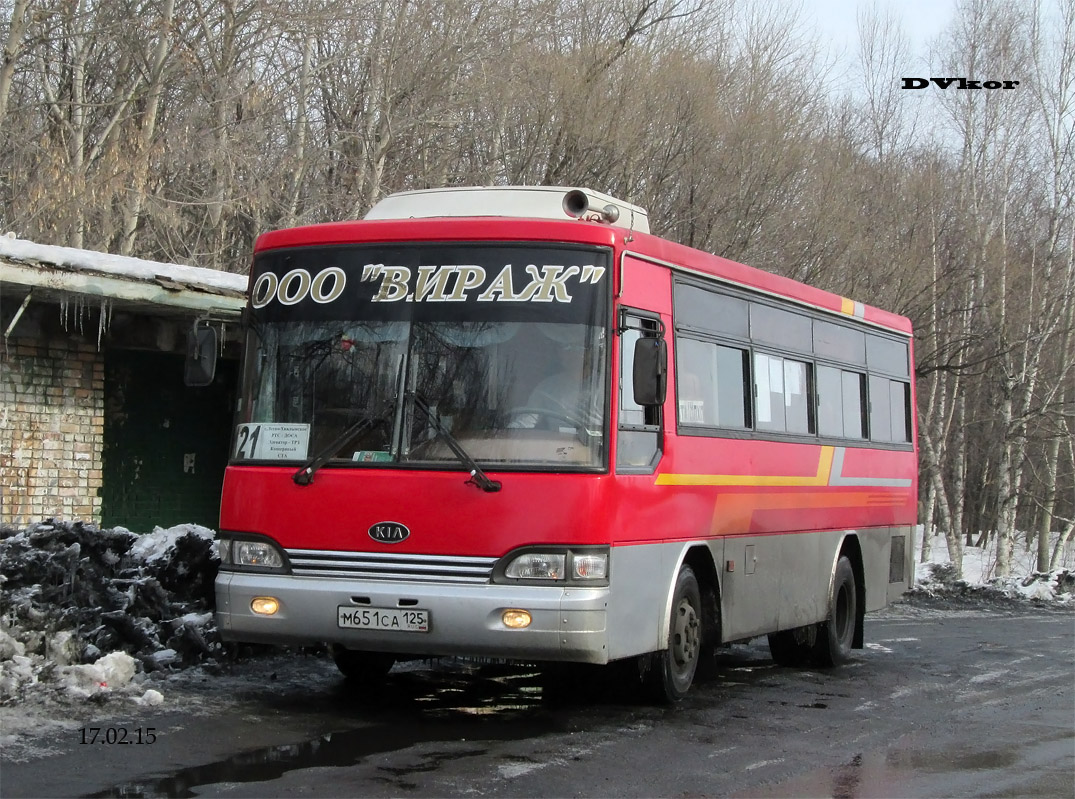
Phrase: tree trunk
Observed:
(143, 145)
(926, 519)
(1045, 523)
(16, 30)
(955, 547)
(301, 126)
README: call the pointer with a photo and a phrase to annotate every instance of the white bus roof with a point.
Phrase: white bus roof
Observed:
(540, 202)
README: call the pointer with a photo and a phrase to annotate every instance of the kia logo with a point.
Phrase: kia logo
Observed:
(389, 532)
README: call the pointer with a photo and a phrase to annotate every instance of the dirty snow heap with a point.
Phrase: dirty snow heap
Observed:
(84, 609)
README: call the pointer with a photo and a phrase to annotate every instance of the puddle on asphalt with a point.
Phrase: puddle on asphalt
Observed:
(270, 763)
(414, 707)
(886, 773)
(472, 704)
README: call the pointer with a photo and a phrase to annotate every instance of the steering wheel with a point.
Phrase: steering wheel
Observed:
(581, 432)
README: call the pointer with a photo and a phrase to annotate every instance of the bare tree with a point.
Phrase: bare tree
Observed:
(144, 138)
(12, 47)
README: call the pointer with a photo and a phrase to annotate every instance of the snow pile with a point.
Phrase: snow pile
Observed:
(71, 592)
(937, 578)
(113, 671)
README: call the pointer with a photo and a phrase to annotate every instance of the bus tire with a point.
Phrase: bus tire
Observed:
(673, 670)
(837, 633)
(362, 667)
(792, 648)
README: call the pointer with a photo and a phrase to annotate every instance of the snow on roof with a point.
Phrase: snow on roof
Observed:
(123, 267)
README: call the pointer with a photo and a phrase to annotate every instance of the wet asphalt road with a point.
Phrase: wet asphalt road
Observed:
(965, 702)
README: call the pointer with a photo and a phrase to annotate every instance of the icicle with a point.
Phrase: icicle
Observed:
(104, 320)
(63, 312)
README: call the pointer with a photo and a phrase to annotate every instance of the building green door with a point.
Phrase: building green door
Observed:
(165, 444)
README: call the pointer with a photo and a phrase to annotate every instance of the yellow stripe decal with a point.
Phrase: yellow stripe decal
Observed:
(847, 306)
(824, 466)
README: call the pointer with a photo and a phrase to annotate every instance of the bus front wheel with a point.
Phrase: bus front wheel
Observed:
(673, 672)
(836, 635)
(362, 667)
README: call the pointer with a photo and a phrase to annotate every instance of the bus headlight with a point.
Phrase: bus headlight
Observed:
(549, 565)
(249, 553)
(536, 566)
(257, 553)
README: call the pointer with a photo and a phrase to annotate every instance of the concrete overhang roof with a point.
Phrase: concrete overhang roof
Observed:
(60, 274)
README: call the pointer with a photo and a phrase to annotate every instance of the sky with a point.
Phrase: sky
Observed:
(836, 20)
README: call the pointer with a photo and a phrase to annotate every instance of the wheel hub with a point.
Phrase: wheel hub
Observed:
(686, 636)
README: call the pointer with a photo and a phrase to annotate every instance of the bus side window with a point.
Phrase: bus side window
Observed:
(889, 401)
(841, 403)
(713, 384)
(638, 441)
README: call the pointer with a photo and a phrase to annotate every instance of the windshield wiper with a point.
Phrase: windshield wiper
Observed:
(477, 476)
(305, 475)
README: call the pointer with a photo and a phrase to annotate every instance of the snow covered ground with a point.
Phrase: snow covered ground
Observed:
(935, 577)
(107, 616)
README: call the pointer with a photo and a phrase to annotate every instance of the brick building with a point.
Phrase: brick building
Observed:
(95, 421)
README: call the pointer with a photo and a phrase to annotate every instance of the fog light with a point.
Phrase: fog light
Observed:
(264, 605)
(516, 619)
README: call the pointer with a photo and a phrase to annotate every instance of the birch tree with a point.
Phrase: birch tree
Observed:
(16, 29)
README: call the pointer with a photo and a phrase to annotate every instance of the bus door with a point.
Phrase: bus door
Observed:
(646, 553)
(643, 310)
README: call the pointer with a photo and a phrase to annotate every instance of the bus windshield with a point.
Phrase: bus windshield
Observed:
(514, 369)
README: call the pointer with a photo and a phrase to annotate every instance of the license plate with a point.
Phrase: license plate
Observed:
(407, 621)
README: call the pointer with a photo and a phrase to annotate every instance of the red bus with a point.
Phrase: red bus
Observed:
(512, 423)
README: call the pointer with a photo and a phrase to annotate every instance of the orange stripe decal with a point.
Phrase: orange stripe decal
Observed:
(824, 466)
(739, 512)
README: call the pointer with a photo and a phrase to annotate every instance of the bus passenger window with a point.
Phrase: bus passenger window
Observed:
(711, 384)
(783, 392)
(889, 400)
(900, 397)
(880, 409)
(830, 412)
(854, 391)
(769, 392)
(797, 393)
(841, 403)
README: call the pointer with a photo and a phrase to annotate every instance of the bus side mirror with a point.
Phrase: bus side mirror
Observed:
(650, 371)
(200, 366)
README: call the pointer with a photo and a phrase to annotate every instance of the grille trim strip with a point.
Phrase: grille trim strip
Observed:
(391, 566)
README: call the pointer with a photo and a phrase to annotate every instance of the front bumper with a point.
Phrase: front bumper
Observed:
(569, 624)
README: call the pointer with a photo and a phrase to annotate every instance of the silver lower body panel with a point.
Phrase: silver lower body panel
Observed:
(569, 624)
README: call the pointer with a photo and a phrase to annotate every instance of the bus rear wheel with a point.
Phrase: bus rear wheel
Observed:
(836, 635)
(673, 670)
(362, 667)
(793, 647)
